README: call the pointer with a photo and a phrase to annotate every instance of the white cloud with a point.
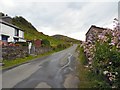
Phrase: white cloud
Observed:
(78, 35)
(67, 18)
(8, 3)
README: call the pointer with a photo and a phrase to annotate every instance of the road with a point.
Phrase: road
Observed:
(53, 71)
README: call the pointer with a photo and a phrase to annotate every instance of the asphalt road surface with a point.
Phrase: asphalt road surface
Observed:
(53, 71)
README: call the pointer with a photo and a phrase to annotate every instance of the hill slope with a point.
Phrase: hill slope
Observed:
(31, 32)
(65, 39)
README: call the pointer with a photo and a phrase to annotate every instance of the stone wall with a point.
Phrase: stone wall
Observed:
(42, 50)
(13, 52)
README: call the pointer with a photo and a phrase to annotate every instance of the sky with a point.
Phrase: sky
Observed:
(72, 18)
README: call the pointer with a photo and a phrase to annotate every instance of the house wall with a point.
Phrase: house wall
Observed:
(10, 31)
(21, 34)
(92, 32)
(7, 30)
(0, 37)
(0, 31)
(22, 40)
(87, 35)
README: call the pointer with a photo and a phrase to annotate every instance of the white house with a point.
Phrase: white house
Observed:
(10, 32)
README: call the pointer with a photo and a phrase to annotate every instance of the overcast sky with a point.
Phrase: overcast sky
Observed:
(68, 17)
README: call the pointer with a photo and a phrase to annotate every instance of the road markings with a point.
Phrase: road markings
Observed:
(69, 60)
(43, 85)
(66, 65)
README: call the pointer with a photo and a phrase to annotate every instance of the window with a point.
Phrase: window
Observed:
(5, 38)
(16, 32)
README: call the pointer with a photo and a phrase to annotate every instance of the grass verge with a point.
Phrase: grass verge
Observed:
(82, 71)
(18, 61)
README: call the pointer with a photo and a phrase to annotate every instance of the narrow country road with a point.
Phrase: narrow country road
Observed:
(53, 71)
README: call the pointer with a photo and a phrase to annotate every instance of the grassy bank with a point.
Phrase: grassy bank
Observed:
(11, 63)
(83, 72)
(87, 78)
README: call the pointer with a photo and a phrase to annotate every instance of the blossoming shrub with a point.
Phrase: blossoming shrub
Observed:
(107, 61)
(103, 53)
(88, 79)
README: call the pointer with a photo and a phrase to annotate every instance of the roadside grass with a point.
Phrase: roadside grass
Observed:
(83, 74)
(18, 61)
(82, 57)
(82, 71)
(87, 78)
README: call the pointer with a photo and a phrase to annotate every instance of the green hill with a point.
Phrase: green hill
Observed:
(65, 39)
(31, 32)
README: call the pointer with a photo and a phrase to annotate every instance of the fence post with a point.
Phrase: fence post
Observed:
(29, 47)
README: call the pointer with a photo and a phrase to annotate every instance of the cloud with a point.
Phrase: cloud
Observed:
(68, 18)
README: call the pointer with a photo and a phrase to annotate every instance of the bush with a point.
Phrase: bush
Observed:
(45, 42)
(21, 43)
(107, 58)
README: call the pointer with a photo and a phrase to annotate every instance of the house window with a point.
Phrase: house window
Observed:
(16, 32)
(16, 39)
(5, 38)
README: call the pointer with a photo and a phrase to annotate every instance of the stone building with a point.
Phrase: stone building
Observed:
(92, 32)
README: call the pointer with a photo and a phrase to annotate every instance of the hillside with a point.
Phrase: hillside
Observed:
(65, 39)
(31, 32)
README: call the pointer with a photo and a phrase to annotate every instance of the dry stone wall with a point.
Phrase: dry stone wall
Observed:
(13, 52)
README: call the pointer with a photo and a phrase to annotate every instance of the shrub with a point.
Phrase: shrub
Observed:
(22, 43)
(45, 42)
(107, 58)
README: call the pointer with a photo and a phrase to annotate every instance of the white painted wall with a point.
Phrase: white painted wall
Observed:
(0, 30)
(22, 40)
(21, 34)
(10, 31)
(0, 37)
